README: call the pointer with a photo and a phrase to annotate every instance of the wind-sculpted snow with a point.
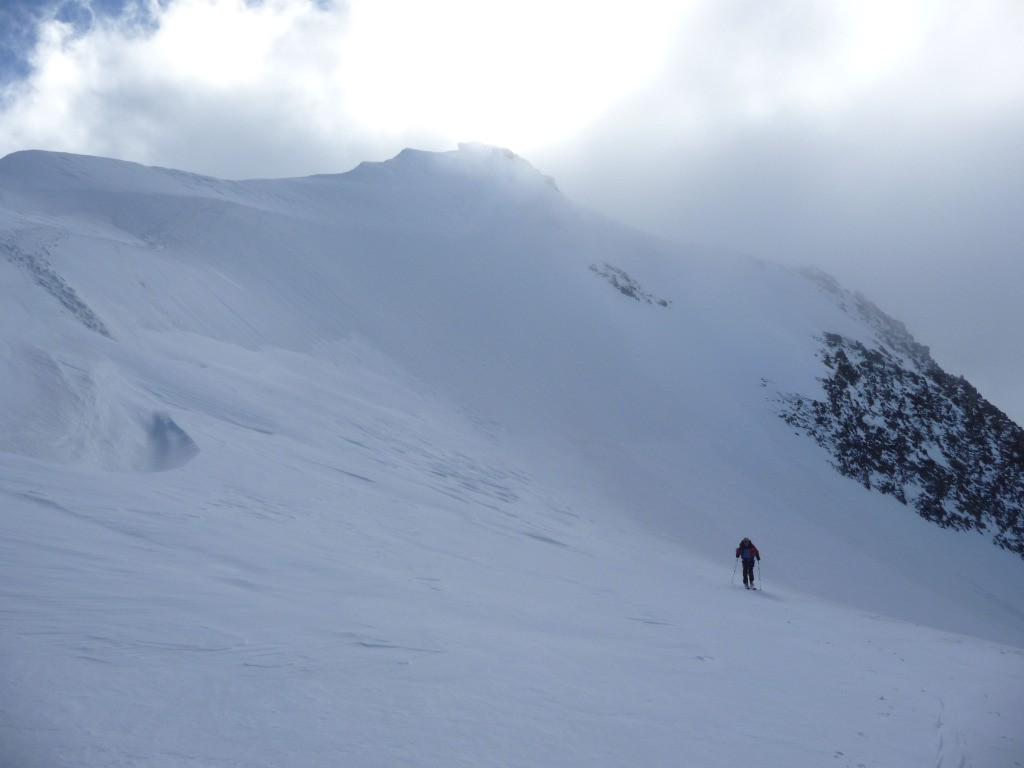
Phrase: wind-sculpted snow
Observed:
(72, 410)
(169, 446)
(423, 465)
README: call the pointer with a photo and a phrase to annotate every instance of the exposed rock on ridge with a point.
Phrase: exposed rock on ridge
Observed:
(893, 420)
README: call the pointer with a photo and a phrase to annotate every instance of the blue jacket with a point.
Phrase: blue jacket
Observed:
(749, 553)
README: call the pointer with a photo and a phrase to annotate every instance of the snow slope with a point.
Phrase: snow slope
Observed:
(422, 464)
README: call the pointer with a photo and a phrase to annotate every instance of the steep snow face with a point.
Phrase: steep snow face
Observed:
(429, 451)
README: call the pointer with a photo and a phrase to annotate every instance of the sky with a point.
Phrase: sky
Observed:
(880, 140)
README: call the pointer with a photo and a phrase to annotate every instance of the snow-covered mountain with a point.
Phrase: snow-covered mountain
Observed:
(423, 464)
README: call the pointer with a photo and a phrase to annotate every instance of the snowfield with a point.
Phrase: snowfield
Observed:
(423, 465)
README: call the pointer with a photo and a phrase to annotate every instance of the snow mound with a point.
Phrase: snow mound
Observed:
(74, 413)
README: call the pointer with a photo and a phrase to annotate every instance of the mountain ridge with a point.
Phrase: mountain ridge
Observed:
(555, 238)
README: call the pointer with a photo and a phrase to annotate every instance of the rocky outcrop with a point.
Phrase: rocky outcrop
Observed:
(893, 420)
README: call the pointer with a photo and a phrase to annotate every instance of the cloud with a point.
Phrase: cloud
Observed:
(219, 86)
(517, 74)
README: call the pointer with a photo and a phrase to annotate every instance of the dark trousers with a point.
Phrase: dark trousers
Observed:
(748, 572)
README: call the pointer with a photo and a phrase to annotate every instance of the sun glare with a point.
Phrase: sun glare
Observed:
(515, 75)
(220, 43)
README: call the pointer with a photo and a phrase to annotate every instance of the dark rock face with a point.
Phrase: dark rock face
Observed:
(621, 281)
(893, 420)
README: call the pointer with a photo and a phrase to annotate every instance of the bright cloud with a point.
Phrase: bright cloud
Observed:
(511, 74)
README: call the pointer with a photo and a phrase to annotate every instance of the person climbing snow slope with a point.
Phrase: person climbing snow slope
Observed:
(748, 553)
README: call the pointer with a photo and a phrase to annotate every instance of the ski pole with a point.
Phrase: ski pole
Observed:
(760, 578)
(733, 579)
